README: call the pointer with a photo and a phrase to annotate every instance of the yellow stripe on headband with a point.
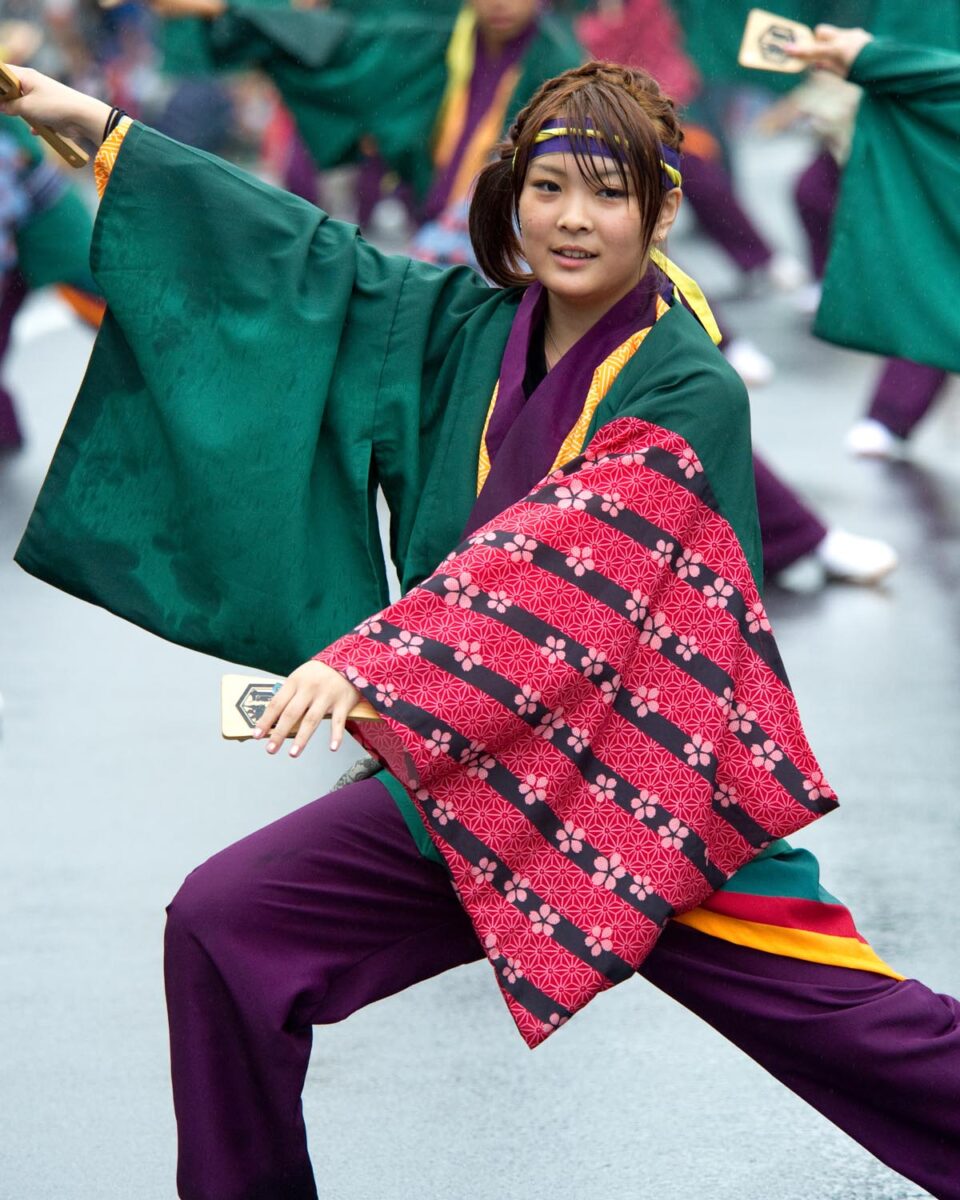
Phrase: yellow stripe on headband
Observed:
(546, 135)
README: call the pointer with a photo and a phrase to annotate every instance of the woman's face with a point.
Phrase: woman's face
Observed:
(502, 20)
(580, 237)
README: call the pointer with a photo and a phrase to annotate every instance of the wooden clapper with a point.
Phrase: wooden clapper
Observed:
(765, 37)
(69, 151)
(243, 699)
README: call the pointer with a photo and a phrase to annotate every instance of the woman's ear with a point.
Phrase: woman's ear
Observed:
(668, 214)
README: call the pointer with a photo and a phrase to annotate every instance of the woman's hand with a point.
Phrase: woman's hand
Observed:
(833, 49)
(312, 692)
(47, 102)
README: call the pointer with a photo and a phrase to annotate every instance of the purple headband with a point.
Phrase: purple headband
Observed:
(556, 137)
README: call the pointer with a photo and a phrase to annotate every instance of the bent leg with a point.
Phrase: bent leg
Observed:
(789, 529)
(904, 394)
(709, 191)
(302, 923)
(878, 1057)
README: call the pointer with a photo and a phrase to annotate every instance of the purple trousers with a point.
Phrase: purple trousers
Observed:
(333, 907)
(13, 292)
(815, 194)
(789, 529)
(904, 393)
(708, 190)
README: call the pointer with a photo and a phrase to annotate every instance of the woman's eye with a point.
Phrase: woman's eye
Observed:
(612, 193)
(545, 185)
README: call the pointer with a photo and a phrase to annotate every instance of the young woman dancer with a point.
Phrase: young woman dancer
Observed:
(587, 722)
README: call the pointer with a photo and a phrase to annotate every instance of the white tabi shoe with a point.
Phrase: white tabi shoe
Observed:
(749, 362)
(855, 559)
(872, 439)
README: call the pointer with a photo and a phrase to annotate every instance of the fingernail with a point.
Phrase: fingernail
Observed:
(294, 751)
(334, 745)
(258, 733)
(271, 747)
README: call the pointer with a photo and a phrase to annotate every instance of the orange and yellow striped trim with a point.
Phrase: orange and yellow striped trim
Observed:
(103, 164)
(788, 942)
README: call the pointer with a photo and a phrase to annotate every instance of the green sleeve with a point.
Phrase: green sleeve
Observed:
(917, 76)
(216, 480)
(892, 284)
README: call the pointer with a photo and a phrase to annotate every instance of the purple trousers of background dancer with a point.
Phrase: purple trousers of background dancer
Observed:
(13, 293)
(708, 189)
(333, 907)
(788, 528)
(904, 393)
(815, 195)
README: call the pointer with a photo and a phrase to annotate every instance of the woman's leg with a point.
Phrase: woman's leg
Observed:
(13, 292)
(815, 195)
(878, 1057)
(709, 192)
(789, 529)
(904, 394)
(302, 923)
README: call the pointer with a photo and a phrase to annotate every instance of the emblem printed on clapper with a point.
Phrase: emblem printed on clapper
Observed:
(254, 700)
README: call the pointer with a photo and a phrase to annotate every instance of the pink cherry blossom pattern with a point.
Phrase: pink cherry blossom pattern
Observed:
(571, 838)
(645, 700)
(554, 1021)
(637, 607)
(485, 869)
(607, 871)
(725, 701)
(443, 811)
(593, 662)
(370, 627)
(645, 805)
(817, 787)
(655, 630)
(686, 646)
(580, 560)
(478, 539)
(359, 681)
(527, 700)
(757, 618)
(718, 593)
(386, 694)
(549, 723)
(574, 497)
(612, 504)
(600, 938)
(688, 565)
(673, 834)
(406, 642)
(515, 889)
(534, 788)
(609, 689)
(766, 755)
(689, 464)
(439, 742)
(468, 655)
(741, 719)
(521, 548)
(725, 795)
(511, 970)
(604, 787)
(641, 887)
(491, 946)
(698, 750)
(578, 739)
(499, 602)
(555, 649)
(543, 920)
(662, 551)
(460, 591)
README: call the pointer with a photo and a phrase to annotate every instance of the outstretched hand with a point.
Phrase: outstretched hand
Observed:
(44, 101)
(833, 49)
(311, 693)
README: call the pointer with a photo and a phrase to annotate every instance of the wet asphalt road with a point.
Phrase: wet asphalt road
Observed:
(114, 783)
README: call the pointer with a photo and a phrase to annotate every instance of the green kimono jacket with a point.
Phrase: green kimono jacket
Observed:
(261, 371)
(892, 284)
(344, 76)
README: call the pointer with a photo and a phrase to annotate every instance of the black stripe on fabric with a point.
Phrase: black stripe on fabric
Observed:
(698, 575)
(563, 738)
(743, 823)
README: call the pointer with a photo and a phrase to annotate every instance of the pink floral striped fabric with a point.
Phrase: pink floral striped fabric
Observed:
(588, 706)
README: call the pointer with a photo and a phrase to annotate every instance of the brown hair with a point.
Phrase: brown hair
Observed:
(623, 104)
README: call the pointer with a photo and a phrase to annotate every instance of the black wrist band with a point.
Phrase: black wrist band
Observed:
(113, 120)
